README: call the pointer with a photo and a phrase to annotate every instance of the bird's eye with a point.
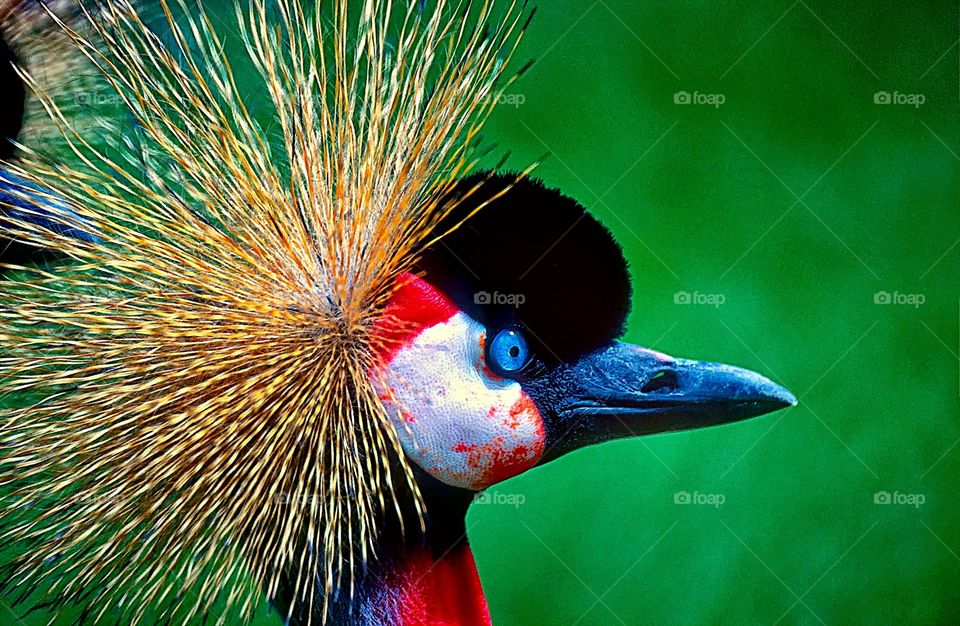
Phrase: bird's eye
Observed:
(508, 353)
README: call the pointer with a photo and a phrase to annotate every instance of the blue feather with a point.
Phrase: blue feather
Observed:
(24, 202)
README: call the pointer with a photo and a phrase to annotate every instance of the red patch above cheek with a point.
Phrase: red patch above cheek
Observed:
(415, 306)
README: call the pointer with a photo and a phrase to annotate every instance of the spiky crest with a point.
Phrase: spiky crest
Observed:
(190, 411)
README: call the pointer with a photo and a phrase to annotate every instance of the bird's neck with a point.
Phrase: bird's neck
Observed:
(422, 580)
(416, 585)
(420, 588)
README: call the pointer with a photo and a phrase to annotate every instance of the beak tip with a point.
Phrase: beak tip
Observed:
(740, 384)
(787, 398)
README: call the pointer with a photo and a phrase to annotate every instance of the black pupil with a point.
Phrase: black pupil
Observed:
(514, 351)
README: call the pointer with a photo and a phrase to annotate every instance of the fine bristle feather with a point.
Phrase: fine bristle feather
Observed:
(191, 411)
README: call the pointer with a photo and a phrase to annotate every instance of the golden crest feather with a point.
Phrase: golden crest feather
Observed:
(188, 404)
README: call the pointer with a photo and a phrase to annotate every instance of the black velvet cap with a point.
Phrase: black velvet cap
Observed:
(536, 259)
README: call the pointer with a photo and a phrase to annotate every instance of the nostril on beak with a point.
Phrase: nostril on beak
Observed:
(664, 381)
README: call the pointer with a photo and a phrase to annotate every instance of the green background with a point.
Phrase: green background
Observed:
(796, 200)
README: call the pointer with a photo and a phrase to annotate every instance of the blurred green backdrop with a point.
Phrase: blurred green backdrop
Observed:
(796, 200)
(796, 165)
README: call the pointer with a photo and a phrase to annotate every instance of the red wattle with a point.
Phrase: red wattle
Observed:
(446, 592)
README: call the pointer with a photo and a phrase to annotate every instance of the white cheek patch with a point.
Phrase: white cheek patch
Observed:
(457, 420)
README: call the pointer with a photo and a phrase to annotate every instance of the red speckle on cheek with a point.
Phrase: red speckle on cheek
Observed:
(387, 396)
(482, 361)
(501, 459)
(524, 411)
(464, 447)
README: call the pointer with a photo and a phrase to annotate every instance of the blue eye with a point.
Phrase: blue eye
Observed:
(508, 353)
